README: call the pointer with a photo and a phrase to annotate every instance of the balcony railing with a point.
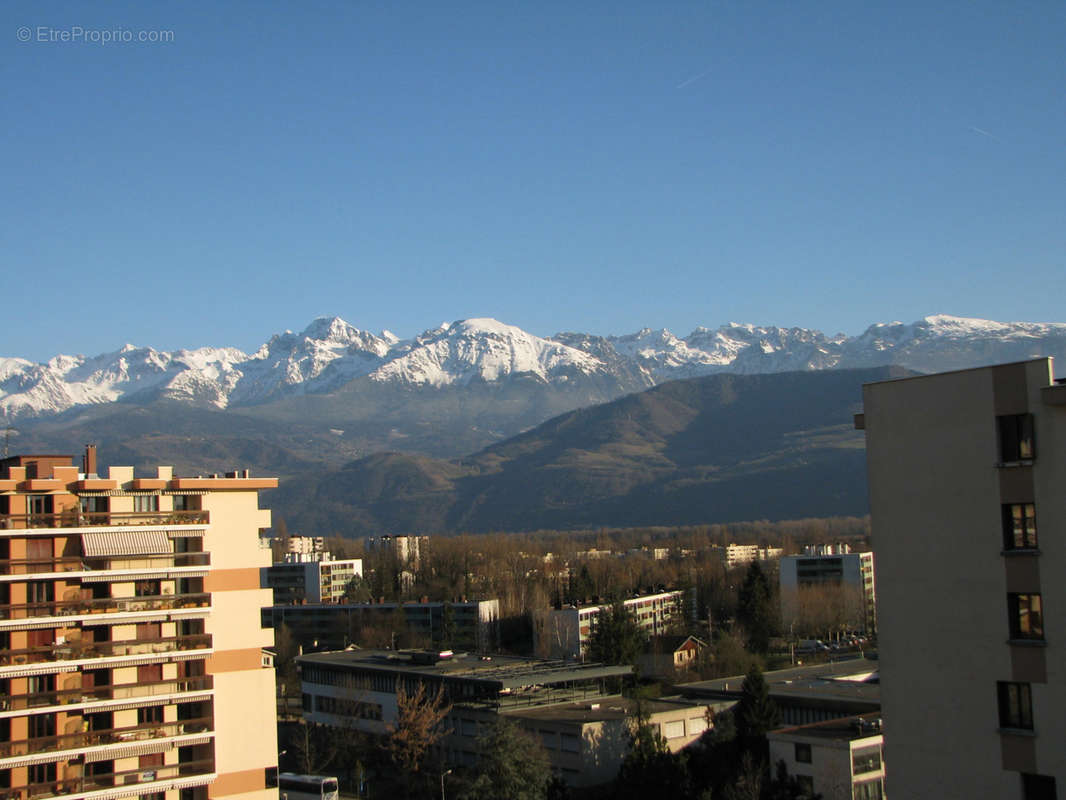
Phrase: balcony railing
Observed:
(83, 519)
(93, 783)
(80, 650)
(36, 566)
(66, 608)
(95, 694)
(134, 733)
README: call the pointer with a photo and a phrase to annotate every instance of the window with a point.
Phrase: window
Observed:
(1038, 787)
(870, 790)
(41, 726)
(803, 753)
(38, 504)
(146, 502)
(271, 777)
(40, 592)
(1019, 526)
(42, 773)
(1015, 705)
(94, 505)
(1016, 438)
(866, 759)
(1026, 617)
(150, 715)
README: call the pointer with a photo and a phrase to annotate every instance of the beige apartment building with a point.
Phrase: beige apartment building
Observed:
(967, 475)
(131, 655)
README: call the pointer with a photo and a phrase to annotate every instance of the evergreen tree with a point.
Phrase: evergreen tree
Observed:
(650, 768)
(616, 638)
(513, 765)
(756, 609)
(756, 714)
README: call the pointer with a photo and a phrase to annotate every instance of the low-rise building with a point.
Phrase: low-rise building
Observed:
(565, 632)
(569, 707)
(841, 759)
(670, 656)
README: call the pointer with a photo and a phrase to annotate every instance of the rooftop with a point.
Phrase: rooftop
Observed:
(848, 680)
(845, 729)
(501, 672)
(602, 709)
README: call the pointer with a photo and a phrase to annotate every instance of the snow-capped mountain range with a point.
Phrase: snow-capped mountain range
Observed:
(330, 353)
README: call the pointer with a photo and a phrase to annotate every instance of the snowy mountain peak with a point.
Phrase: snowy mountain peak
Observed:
(330, 353)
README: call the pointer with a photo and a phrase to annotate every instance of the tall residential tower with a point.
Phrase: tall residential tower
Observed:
(967, 474)
(131, 658)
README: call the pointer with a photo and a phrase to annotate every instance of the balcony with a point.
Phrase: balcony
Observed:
(38, 566)
(100, 694)
(84, 650)
(82, 519)
(160, 776)
(66, 608)
(108, 736)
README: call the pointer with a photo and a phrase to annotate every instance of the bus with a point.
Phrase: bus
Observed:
(307, 787)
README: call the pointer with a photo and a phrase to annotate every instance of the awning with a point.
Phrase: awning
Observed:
(125, 543)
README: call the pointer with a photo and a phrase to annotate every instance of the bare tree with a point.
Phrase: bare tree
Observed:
(417, 727)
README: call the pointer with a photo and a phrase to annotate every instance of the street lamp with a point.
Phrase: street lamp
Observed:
(446, 772)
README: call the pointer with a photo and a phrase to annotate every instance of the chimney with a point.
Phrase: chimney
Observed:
(89, 461)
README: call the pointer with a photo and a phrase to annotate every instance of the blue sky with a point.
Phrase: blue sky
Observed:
(600, 168)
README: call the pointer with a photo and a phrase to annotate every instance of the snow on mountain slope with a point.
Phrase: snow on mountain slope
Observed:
(483, 349)
(329, 353)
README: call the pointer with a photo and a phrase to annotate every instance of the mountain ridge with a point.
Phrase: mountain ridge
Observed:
(330, 354)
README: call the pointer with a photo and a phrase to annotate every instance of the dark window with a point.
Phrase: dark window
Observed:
(271, 777)
(1015, 705)
(41, 726)
(42, 773)
(1038, 787)
(1019, 526)
(94, 505)
(871, 790)
(37, 504)
(1026, 616)
(40, 592)
(149, 588)
(149, 715)
(803, 753)
(1016, 438)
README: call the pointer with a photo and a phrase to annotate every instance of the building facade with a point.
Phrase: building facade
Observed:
(569, 707)
(846, 578)
(311, 578)
(565, 632)
(131, 661)
(966, 472)
(472, 625)
(841, 759)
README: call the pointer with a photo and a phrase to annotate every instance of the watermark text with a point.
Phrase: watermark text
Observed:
(76, 34)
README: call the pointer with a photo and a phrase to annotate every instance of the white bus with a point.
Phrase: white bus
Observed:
(306, 787)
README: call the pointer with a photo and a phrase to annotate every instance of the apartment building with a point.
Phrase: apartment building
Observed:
(131, 659)
(966, 472)
(313, 577)
(735, 555)
(470, 624)
(406, 549)
(565, 632)
(848, 578)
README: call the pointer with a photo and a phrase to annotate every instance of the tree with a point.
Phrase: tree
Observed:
(756, 610)
(616, 638)
(513, 764)
(417, 727)
(650, 768)
(314, 746)
(756, 714)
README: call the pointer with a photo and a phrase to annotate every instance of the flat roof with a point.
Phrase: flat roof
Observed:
(503, 672)
(602, 709)
(855, 679)
(845, 729)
